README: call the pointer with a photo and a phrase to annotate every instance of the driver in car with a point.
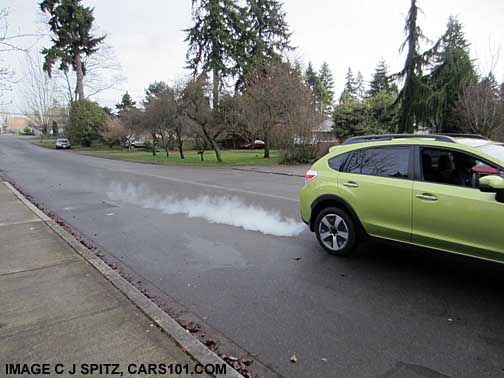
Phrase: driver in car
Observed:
(464, 174)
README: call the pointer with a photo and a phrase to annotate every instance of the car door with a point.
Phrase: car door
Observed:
(449, 210)
(377, 183)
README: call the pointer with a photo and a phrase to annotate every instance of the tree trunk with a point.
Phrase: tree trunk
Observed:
(180, 142)
(154, 138)
(215, 89)
(266, 145)
(166, 144)
(213, 143)
(79, 89)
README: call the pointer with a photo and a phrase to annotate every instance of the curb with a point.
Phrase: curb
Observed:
(270, 172)
(188, 343)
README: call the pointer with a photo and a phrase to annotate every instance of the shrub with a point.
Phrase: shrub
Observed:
(87, 120)
(299, 154)
(114, 132)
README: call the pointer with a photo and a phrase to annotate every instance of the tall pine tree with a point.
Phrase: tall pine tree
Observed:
(381, 80)
(316, 86)
(360, 87)
(126, 103)
(70, 24)
(349, 91)
(213, 40)
(264, 36)
(327, 81)
(453, 70)
(415, 92)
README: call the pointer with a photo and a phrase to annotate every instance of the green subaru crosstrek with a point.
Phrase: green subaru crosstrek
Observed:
(438, 191)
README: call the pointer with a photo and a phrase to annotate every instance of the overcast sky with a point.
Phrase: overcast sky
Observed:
(148, 36)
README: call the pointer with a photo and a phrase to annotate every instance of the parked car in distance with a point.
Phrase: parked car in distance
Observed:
(63, 143)
(257, 145)
(135, 143)
(440, 191)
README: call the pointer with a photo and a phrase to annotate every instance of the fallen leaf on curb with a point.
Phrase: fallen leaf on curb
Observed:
(211, 344)
(293, 359)
(229, 358)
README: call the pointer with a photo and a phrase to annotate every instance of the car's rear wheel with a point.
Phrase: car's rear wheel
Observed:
(335, 231)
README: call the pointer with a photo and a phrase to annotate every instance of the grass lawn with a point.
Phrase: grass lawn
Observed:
(229, 157)
(45, 143)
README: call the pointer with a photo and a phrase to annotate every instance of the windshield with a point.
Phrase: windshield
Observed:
(494, 150)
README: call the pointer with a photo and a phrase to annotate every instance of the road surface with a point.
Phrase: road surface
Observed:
(388, 312)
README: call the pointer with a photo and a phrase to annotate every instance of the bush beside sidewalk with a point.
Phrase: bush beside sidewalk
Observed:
(55, 308)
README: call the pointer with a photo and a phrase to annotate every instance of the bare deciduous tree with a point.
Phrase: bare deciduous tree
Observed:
(161, 117)
(8, 43)
(40, 93)
(481, 107)
(103, 73)
(114, 131)
(278, 106)
(195, 105)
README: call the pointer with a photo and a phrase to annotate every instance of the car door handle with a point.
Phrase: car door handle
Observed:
(426, 197)
(351, 184)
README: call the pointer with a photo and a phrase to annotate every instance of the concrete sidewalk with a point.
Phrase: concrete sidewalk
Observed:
(56, 308)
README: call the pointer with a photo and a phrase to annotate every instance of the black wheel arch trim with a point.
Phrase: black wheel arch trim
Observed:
(339, 201)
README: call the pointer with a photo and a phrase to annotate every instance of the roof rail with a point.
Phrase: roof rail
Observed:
(457, 135)
(372, 138)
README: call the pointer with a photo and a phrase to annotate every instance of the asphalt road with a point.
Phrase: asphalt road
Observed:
(388, 312)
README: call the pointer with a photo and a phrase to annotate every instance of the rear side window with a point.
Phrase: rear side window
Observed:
(382, 162)
(337, 162)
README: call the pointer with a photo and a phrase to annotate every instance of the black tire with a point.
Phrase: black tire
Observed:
(345, 226)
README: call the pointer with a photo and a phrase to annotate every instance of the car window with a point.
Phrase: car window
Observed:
(337, 162)
(454, 168)
(383, 162)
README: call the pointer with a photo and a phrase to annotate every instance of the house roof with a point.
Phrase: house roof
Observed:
(326, 126)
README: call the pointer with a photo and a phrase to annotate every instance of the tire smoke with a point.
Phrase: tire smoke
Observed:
(230, 211)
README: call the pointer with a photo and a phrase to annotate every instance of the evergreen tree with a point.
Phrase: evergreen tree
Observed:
(264, 37)
(349, 91)
(126, 103)
(414, 93)
(218, 28)
(381, 80)
(453, 70)
(327, 81)
(313, 81)
(155, 90)
(70, 25)
(360, 87)
(311, 76)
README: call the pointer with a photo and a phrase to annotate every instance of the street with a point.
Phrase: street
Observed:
(387, 312)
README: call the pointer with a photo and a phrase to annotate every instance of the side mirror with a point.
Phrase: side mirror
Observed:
(493, 184)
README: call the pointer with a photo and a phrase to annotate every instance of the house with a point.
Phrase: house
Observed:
(16, 124)
(325, 131)
(325, 136)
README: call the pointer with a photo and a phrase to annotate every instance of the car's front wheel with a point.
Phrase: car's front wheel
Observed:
(335, 231)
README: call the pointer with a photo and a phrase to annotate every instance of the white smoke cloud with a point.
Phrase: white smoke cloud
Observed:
(223, 210)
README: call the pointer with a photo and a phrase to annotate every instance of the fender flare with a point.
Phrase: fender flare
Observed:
(318, 204)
